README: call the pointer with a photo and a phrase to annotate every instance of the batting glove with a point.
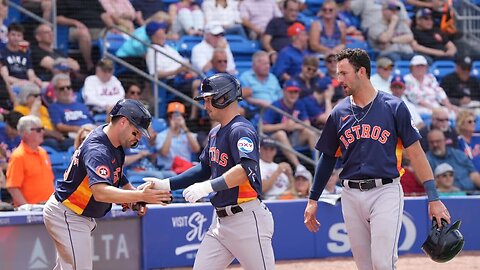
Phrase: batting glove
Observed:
(161, 184)
(197, 191)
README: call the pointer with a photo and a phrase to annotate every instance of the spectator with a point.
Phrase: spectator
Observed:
(462, 88)
(166, 62)
(441, 122)
(219, 62)
(381, 80)
(290, 58)
(276, 37)
(67, 115)
(263, 84)
(302, 183)
(30, 103)
(224, 13)
(17, 68)
(187, 18)
(391, 36)
(277, 178)
(255, 15)
(83, 17)
(444, 179)
(327, 34)
(429, 41)
(141, 161)
(146, 8)
(176, 142)
(423, 89)
(308, 77)
(468, 141)
(352, 22)
(397, 88)
(9, 136)
(319, 104)
(370, 12)
(29, 173)
(289, 133)
(44, 6)
(202, 53)
(466, 177)
(331, 78)
(44, 55)
(102, 90)
(82, 135)
(120, 13)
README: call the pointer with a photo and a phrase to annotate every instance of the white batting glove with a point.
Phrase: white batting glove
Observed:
(161, 184)
(197, 191)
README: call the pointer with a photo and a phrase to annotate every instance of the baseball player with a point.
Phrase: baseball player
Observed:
(93, 181)
(243, 226)
(368, 129)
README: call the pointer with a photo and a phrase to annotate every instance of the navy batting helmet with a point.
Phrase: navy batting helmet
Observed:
(443, 244)
(222, 87)
(134, 111)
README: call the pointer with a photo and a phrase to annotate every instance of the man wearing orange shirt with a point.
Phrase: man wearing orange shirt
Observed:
(29, 171)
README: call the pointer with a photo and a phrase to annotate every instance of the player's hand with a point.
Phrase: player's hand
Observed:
(197, 191)
(437, 210)
(310, 218)
(161, 184)
(151, 195)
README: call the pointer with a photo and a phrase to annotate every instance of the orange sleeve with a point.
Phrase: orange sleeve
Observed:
(15, 172)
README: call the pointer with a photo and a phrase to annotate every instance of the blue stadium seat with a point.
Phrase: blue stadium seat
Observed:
(476, 68)
(314, 6)
(59, 161)
(402, 67)
(243, 66)
(306, 20)
(186, 43)
(113, 42)
(440, 68)
(99, 118)
(62, 38)
(355, 43)
(241, 47)
(159, 124)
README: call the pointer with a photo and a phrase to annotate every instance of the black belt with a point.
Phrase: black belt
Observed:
(223, 212)
(365, 184)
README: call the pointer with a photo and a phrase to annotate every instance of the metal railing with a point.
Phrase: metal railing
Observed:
(467, 15)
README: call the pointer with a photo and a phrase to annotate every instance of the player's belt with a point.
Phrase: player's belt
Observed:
(228, 210)
(366, 184)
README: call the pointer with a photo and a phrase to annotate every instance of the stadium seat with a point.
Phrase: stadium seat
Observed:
(159, 124)
(440, 68)
(62, 38)
(402, 67)
(100, 118)
(241, 47)
(243, 66)
(113, 42)
(59, 161)
(305, 20)
(314, 6)
(355, 43)
(476, 69)
(186, 43)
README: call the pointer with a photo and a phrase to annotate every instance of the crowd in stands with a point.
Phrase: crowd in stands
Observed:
(50, 99)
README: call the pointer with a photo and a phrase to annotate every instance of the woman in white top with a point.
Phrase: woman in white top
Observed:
(224, 13)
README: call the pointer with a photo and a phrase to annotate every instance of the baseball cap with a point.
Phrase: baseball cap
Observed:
(61, 64)
(214, 29)
(384, 62)
(267, 142)
(295, 28)
(418, 60)
(291, 85)
(397, 80)
(305, 174)
(175, 107)
(443, 168)
(153, 26)
(423, 12)
(391, 5)
(464, 61)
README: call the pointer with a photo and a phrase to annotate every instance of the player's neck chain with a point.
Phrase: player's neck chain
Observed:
(365, 115)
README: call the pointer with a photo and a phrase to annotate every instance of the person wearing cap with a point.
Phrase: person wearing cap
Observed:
(290, 58)
(102, 90)
(423, 89)
(383, 76)
(430, 41)
(255, 15)
(177, 141)
(397, 88)
(319, 104)
(276, 37)
(444, 179)
(327, 34)
(29, 172)
(462, 88)
(285, 130)
(302, 184)
(30, 103)
(94, 180)
(213, 38)
(44, 55)
(187, 18)
(391, 36)
(67, 115)
(277, 178)
(164, 62)
(467, 177)
(468, 140)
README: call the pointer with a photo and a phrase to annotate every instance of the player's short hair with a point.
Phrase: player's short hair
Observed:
(358, 58)
(27, 122)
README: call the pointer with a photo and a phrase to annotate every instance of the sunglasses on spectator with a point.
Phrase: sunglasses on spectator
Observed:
(388, 67)
(441, 119)
(221, 61)
(34, 95)
(449, 174)
(134, 93)
(37, 129)
(65, 88)
(471, 121)
(327, 9)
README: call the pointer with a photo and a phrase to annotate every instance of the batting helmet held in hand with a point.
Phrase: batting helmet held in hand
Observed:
(443, 244)
(222, 87)
(134, 111)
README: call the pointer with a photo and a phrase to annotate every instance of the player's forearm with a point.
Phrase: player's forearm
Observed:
(235, 176)
(323, 171)
(109, 194)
